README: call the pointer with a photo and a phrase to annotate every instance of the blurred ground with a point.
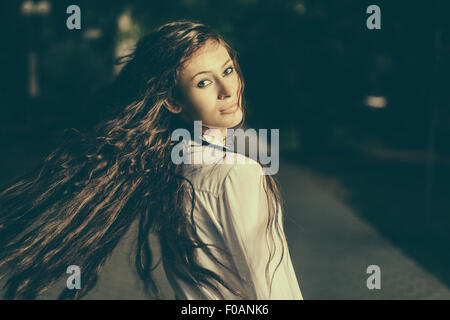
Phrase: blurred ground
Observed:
(332, 246)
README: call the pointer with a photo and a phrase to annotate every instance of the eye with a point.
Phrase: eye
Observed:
(227, 71)
(231, 69)
(201, 83)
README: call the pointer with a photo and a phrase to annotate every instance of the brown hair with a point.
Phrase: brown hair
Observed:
(90, 190)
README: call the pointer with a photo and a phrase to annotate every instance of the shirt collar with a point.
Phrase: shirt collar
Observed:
(214, 138)
(210, 144)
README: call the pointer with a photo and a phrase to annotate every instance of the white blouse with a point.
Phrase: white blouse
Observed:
(231, 211)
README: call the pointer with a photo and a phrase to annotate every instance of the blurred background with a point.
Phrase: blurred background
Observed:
(364, 118)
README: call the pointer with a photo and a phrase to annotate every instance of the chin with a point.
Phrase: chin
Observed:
(235, 122)
(226, 123)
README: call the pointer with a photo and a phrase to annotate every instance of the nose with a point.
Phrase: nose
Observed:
(226, 90)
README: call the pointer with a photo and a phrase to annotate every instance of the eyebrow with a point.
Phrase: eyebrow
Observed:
(210, 71)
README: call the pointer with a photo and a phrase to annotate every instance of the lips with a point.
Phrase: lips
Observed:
(229, 108)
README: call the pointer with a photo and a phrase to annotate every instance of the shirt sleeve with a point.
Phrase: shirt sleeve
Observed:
(244, 227)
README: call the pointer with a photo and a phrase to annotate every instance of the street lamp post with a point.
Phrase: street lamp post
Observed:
(33, 12)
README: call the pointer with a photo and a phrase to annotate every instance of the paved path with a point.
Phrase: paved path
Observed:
(331, 247)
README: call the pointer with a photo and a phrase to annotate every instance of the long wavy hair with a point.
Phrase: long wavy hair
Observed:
(88, 192)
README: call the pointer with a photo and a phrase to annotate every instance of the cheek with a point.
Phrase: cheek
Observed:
(198, 106)
(203, 100)
(236, 84)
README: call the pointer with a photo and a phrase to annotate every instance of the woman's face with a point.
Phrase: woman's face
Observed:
(209, 87)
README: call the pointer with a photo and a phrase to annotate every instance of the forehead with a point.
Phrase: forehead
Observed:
(210, 57)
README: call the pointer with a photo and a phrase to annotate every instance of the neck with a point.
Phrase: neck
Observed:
(218, 135)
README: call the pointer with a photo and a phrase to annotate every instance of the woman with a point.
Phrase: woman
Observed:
(219, 231)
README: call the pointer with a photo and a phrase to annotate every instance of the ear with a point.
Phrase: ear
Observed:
(172, 106)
